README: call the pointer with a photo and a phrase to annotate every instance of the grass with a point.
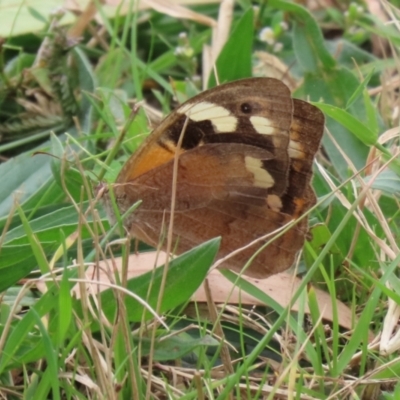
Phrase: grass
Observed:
(66, 122)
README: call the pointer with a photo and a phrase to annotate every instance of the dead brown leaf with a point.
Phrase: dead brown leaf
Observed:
(280, 287)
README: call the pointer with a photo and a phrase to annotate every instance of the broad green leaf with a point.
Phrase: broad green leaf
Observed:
(355, 126)
(16, 262)
(17, 64)
(308, 42)
(335, 88)
(21, 177)
(17, 256)
(234, 61)
(17, 18)
(185, 274)
(47, 227)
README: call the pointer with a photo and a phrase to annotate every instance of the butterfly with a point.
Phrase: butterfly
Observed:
(245, 153)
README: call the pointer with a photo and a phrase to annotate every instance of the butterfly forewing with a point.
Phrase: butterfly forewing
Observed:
(255, 111)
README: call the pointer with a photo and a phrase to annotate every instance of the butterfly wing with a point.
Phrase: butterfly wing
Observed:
(244, 170)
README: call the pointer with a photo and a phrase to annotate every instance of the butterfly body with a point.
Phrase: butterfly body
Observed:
(244, 169)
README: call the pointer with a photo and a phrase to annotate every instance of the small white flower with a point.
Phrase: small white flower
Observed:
(179, 50)
(284, 25)
(278, 46)
(267, 35)
(184, 51)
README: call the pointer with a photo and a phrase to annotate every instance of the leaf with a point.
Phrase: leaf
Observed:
(222, 289)
(175, 346)
(17, 255)
(356, 127)
(185, 274)
(387, 181)
(308, 41)
(16, 18)
(16, 262)
(335, 87)
(47, 227)
(35, 244)
(234, 61)
(37, 15)
(21, 178)
(65, 308)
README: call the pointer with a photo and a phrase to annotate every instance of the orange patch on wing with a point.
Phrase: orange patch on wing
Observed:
(152, 158)
(299, 207)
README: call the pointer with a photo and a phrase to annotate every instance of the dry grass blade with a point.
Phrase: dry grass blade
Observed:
(220, 36)
(177, 11)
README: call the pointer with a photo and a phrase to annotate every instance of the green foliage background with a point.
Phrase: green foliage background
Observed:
(55, 144)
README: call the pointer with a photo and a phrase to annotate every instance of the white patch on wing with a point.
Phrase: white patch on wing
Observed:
(262, 178)
(296, 150)
(274, 202)
(262, 125)
(220, 117)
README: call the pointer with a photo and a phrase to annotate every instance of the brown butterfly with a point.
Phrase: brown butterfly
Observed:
(244, 170)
